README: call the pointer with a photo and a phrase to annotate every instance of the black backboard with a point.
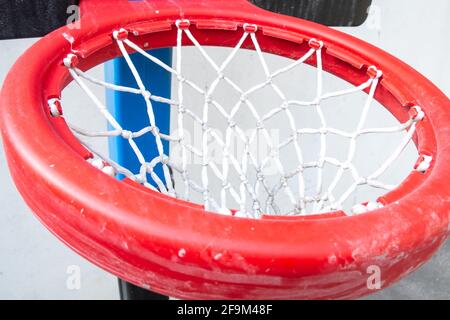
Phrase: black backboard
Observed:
(36, 18)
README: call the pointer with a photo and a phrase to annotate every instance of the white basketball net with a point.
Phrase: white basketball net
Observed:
(255, 193)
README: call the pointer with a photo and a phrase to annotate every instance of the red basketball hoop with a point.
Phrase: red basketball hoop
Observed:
(177, 248)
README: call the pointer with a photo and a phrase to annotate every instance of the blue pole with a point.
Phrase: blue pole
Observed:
(130, 109)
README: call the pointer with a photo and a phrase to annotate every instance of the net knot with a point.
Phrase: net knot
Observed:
(298, 208)
(274, 153)
(256, 206)
(183, 24)
(416, 113)
(226, 185)
(97, 163)
(120, 35)
(374, 73)
(165, 159)
(147, 94)
(320, 164)
(300, 168)
(243, 179)
(155, 130)
(71, 61)
(423, 163)
(231, 124)
(260, 176)
(295, 137)
(139, 179)
(259, 125)
(181, 79)
(250, 28)
(100, 164)
(127, 134)
(315, 44)
(55, 107)
(208, 99)
(109, 171)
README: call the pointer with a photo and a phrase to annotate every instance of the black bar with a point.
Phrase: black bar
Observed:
(36, 18)
(327, 12)
(129, 291)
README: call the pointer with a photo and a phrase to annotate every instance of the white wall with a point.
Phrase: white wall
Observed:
(33, 264)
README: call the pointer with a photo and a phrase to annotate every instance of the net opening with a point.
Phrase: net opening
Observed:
(254, 191)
